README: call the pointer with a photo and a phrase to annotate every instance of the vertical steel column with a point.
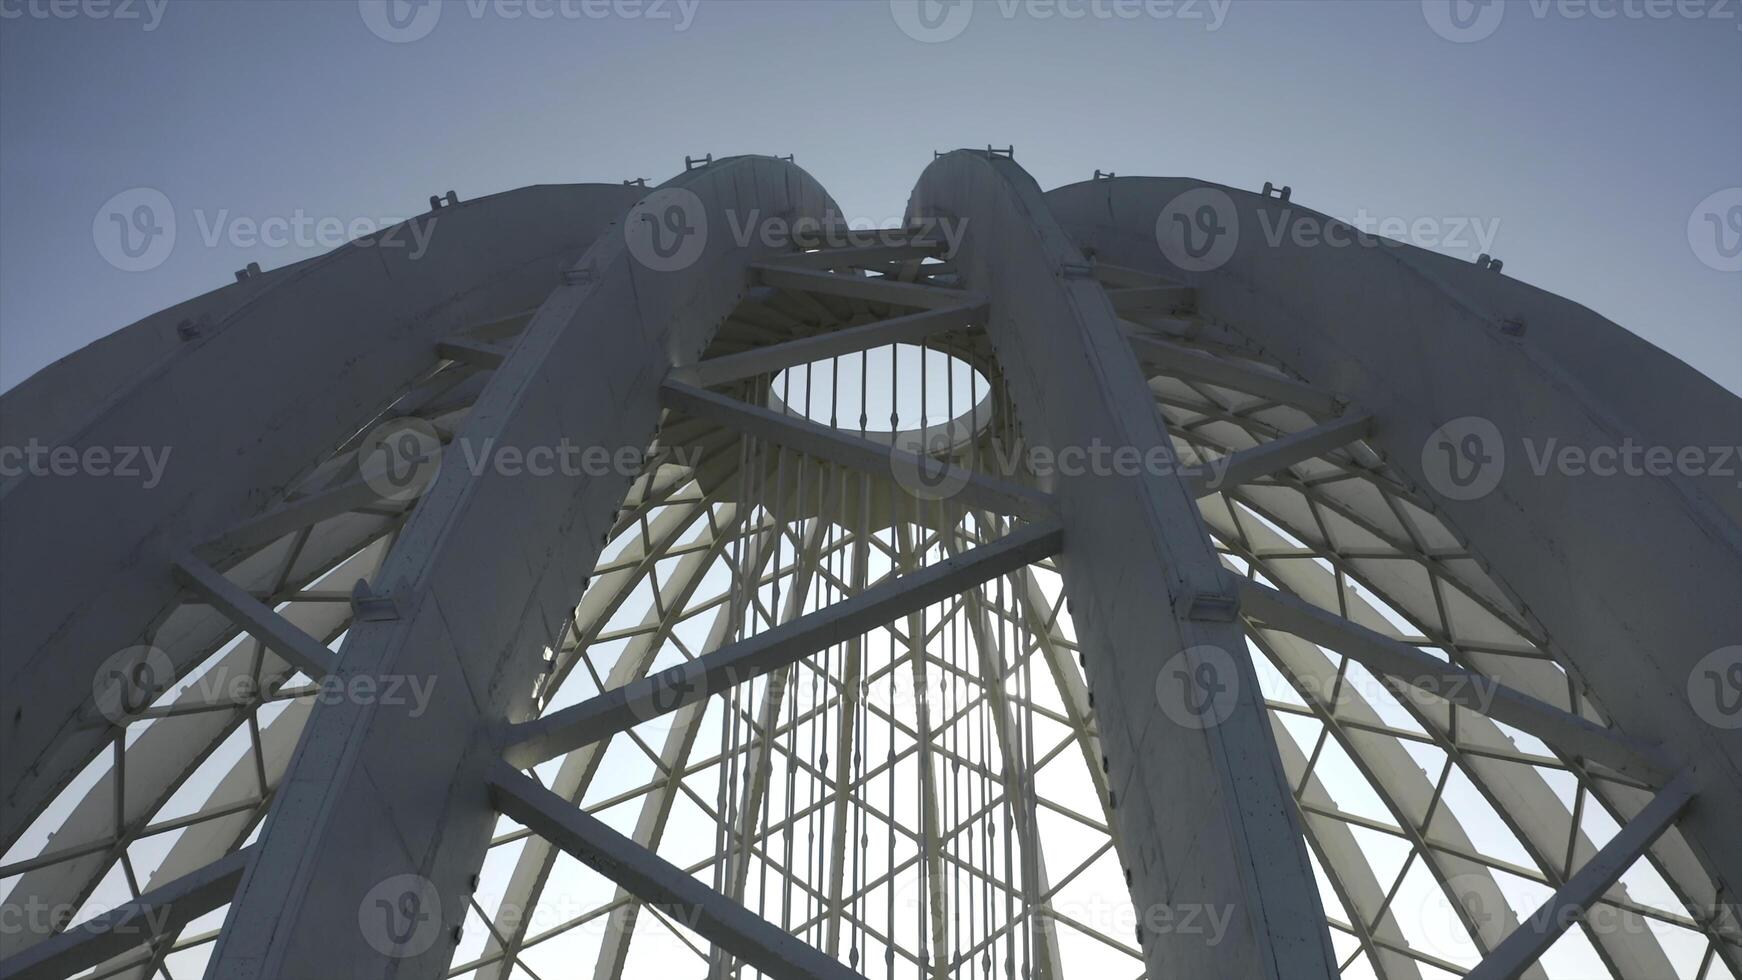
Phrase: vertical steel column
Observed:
(1203, 806)
(382, 820)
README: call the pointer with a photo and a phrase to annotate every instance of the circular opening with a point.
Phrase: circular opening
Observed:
(899, 390)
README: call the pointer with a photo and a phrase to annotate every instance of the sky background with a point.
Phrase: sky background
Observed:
(1585, 145)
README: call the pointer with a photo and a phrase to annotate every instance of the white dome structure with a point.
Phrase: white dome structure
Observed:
(674, 582)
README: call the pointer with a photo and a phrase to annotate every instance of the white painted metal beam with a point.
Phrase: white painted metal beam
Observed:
(347, 330)
(851, 692)
(1573, 899)
(154, 915)
(767, 360)
(1277, 455)
(530, 743)
(1205, 814)
(281, 636)
(1634, 578)
(1018, 783)
(838, 446)
(658, 882)
(299, 513)
(484, 574)
(1400, 661)
(1176, 359)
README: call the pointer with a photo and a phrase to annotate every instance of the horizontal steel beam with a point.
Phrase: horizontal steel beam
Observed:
(767, 360)
(620, 709)
(152, 916)
(1402, 662)
(864, 288)
(1279, 454)
(1174, 359)
(280, 635)
(1526, 944)
(803, 435)
(658, 882)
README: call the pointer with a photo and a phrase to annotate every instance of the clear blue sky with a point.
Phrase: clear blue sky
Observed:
(1589, 141)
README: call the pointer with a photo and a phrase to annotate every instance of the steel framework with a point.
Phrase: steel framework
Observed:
(563, 596)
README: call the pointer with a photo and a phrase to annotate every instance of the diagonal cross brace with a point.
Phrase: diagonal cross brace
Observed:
(1400, 661)
(533, 742)
(1279, 454)
(152, 916)
(1526, 944)
(658, 882)
(280, 635)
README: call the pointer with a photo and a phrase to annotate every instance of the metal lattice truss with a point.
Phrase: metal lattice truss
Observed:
(822, 707)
